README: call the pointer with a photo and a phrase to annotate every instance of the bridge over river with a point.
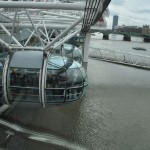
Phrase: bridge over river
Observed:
(126, 35)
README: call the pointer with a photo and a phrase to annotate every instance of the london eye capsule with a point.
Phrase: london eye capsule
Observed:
(32, 76)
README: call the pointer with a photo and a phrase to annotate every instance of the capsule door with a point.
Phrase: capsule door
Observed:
(24, 84)
(24, 76)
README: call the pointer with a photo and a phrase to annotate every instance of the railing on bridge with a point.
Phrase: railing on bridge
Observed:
(131, 59)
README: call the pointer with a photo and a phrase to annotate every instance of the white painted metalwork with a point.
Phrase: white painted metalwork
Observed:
(51, 23)
(43, 79)
(5, 44)
(9, 34)
(66, 38)
(35, 48)
(31, 34)
(34, 28)
(49, 26)
(42, 5)
(86, 47)
(3, 108)
(5, 80)
(132, 59)
(63, 33)
(40, 88)
(5, 18)
(59, 16)
(46, 31)
(50, 20)
(12, 30)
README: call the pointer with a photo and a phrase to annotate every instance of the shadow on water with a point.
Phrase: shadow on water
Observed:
(41, 137)
(61, 119)
(116, 103)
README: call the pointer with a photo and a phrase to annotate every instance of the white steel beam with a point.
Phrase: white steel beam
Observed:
(46, 31)
(3, 108)
(34, 48)
(67, 38)
(7, 17)
(43, 34)
(42, 5)
(5, 44)
(36, 36)
(12, 30)
(43, 79)
(31, 34)
(63, 33)
(18, 47)
(9, 34)
(50, 13)
(43, 40)
(47, 19)
(4, 80)
(86, 50)
(51, 33)
(34, 28)
(59, 15)
(49, 26)
(48, 22)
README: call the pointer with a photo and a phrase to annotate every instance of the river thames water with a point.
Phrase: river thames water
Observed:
(113, 115)
(116, 43)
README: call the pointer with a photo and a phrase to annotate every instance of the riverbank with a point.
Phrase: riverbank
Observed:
(113, 115)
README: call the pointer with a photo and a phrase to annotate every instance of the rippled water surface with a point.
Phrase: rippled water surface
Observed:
(113, 115)
(117, 44)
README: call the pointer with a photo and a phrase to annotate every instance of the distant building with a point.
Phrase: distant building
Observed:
(146, 30)
(115, 22)
(102, 23)
(131, 29)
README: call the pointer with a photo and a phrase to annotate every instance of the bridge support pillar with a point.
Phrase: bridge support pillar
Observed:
(127, 38)
(146, 40)
(86, 50)
(105, 36)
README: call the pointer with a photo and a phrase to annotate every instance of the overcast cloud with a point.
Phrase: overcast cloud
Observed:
(130, 12)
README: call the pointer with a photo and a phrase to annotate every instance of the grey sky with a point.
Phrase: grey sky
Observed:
(130, 12)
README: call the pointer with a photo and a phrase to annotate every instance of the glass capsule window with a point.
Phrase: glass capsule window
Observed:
(74, 84)
(65, 80)
(72, 52)
(30, 77)
(24, 76)
(24, 84)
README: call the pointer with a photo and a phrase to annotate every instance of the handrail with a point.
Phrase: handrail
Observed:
(120, 52)
(131, 59)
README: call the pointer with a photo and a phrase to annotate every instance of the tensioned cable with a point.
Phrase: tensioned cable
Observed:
(93, 11)
(89, 14)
